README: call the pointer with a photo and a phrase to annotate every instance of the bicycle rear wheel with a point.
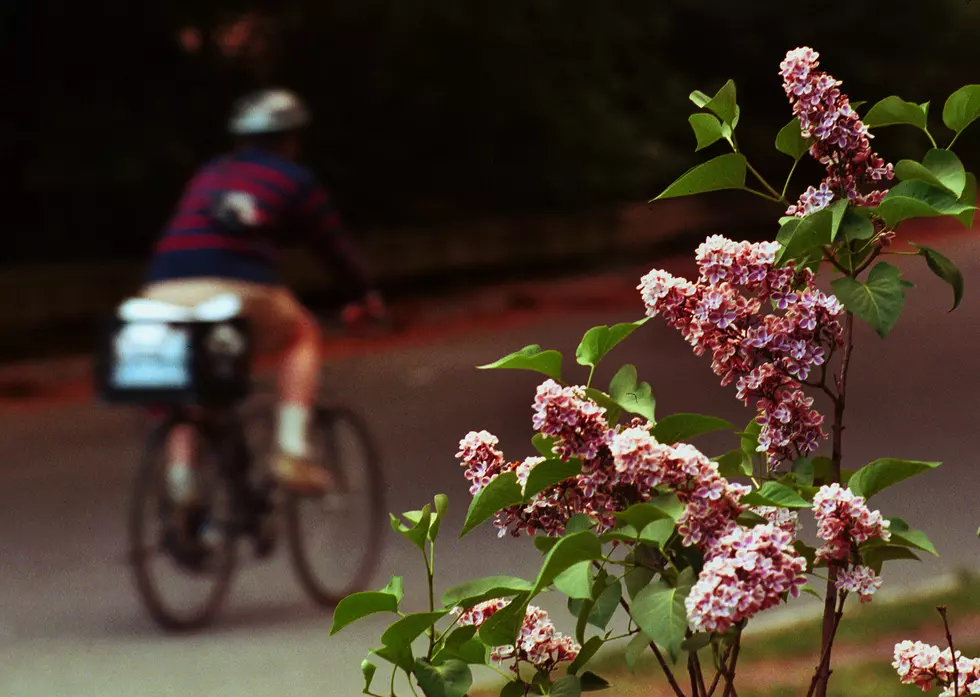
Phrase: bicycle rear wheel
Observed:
(336, 540)
(182, 559)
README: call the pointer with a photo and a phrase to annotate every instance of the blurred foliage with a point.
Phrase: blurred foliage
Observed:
(425, 109)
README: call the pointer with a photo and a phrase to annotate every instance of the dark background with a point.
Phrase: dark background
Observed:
(427, 111)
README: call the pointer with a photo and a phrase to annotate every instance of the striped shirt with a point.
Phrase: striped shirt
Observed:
(240, 210)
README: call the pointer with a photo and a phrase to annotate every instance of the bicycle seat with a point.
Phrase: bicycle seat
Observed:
(221, 307)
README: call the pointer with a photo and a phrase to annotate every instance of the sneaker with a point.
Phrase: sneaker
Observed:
(300, 476)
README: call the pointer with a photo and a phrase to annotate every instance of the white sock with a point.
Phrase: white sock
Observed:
(294, 422)
(182, 482)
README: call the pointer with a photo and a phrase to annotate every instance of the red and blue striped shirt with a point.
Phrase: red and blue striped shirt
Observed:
(236, 214)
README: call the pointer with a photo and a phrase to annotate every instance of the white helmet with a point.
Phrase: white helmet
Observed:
(268, 111)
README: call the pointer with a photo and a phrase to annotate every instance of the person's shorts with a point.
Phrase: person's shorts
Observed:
(276, 316)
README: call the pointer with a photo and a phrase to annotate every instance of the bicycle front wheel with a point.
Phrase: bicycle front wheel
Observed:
(336, 539)
(182, 557)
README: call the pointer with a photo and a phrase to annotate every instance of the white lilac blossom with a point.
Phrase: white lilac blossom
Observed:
(923, 664)
(841, 140)
(538, 642)
(843, 521)
(749, 570)
(767, 355)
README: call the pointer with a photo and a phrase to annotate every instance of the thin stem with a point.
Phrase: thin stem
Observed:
(391, 688)
(822, 674)
(410, 685)
(933, 140)
(759, 193)
(953, 140)
(693, 675)
(730, 670)
(591, 373)
(790, 176)
(837, 265)
(719, 662)
(430, 563)
(867, 262)
(952, 651)
(776, 194)
(659, 656)
(622, 636)
(700, 674)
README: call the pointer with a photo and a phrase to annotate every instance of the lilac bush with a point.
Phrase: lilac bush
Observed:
(632, 519)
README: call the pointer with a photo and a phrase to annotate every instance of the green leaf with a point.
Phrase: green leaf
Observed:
(723, 172)
(515, 688)
(775, 494)
(917, 199)
(598, 341)
(568, 686)
(359, 605)
(683, 427)
(419, 531)
(790, 140)
(502, 627)
(945, 269)
(885, 472)
(530, 358)
(613, 410)
(441, 506)
(638, 578)
(548, 473)
(806, 238)
(913, 538)
(544, 444)
(639, 515)
(878, 302)
(544, 543)
(585, 654)
(724, 104)
(669, 504)
(401, 656)
(606, 605)
(578, 523)
(969, 198)
(576, 580)
(658, 532)
(593, 683)
(659, 611)
(368, 670)
(803, 469)
(502, 492)
(809, 590)
(892, 111)
(855, 227)
(699, 98)
(634, 397)
(749, 519)
(733, 464)
(572, 549)
(638, 644)
(875, 557)
(696, 642)
(451, 679)
(708, 129)
(404, 631)
(939, 168)
(473, 592)
(962, 108)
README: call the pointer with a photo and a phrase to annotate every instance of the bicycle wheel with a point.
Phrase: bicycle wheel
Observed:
(182, 560)
(336, 539)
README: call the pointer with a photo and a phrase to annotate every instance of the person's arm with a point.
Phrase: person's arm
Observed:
(324, 233)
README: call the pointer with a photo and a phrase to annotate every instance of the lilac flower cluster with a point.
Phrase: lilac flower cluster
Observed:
(767, 356)
(842, 142)
(565, 413)
(844, 520)
(922, 664)
(749, 570)
(538, 643)
(861, 580)
(483, 462)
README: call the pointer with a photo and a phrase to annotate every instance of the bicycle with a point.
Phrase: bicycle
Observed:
(193, 368)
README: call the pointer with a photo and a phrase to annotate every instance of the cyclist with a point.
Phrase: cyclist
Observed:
(234, 215)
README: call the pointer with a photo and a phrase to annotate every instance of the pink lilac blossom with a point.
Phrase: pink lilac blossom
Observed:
(712, 502)
(843, 520)
(922, 664)
(783, 518)
(861, 580)
(567, 414)
(842, 142)
(538, 643)
(749, 570)
(767, 356)
(483, 462)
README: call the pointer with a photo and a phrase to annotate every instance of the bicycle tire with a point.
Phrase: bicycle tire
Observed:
(319, 590)
(146, 491)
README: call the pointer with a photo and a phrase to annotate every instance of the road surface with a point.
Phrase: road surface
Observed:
(70, 623)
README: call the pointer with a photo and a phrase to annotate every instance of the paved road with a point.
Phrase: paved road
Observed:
(69, 620)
